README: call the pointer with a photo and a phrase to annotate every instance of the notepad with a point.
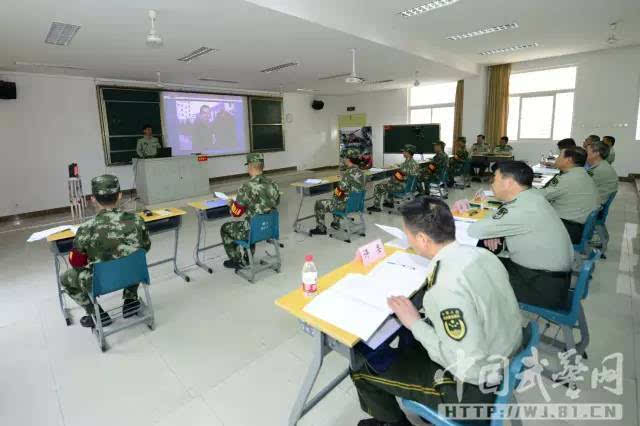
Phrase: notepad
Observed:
(462, 234)
(313, 181)
(36, 236)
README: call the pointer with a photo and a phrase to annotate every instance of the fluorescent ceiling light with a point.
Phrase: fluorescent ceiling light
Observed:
(427, 7)
(483, 31)
(379, 81)
(280, 67)
(217, 80)
(197, 53)
(43, 65)
(61, 34)
(306, 90)
(509, 49)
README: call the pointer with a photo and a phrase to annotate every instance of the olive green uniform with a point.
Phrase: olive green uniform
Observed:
(503, 149)
(605, 178)
(574, 197)
(471, 315)
(456, 163)
(481, 163)
(146, 148)
(536, 249)
(612, 156)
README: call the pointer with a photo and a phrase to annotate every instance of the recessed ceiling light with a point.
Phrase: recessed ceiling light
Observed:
(217, 80)
(509, 49)
(483, 31)
(43, 65)
(280, 67)
(427, 7)
(61, 34)
(197, 53)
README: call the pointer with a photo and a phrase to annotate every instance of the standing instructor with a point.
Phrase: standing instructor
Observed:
(148, 145)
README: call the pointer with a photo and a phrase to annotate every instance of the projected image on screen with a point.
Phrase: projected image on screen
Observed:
(200, 123)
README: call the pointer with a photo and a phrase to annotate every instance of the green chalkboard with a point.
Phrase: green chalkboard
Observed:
(423, 136)
(267, 133)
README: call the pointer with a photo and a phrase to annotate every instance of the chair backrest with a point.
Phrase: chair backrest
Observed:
(355, 202)
(516, 363)
(410, 184)
(587, 231)
(602, 218)
(118, 274)
(264, 227)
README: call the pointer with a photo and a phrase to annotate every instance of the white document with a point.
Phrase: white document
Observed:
(395, 232)
(162, 212)
(221, 195)
(538, 168)
(462, 234)
(313, 181)
(386, 330)
(36, 236)
(376, 170)
(398, 243)
(488, 193)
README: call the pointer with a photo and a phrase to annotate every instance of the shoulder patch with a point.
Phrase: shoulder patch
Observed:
(590, 172)
(500, 213)
(554, 181)
(453, 322)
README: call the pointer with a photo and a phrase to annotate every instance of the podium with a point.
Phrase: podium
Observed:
(160, 180)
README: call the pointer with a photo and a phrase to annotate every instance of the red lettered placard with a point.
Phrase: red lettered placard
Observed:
(370, 253)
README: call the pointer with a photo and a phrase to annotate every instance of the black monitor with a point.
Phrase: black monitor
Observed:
(164, 152)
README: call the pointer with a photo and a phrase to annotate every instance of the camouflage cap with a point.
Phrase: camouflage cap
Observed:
(254, 157)
(105, 185)
(351, 153)
(409, 148)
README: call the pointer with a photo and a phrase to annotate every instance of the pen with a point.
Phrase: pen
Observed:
(404, 266)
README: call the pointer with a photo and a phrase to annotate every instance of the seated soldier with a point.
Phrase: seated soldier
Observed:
(572, 193)
(604, 175)
(503, 147)
(529, 237)
(460, 156)
(259, 195)
(409, 167)
(352, 180)
(432, 171)
(610, 141)
(110, 235)
(471, 315)
(479, 150)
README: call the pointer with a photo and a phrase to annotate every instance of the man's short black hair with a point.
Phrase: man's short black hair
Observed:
(442, 144)
(107, 199)
(601, 148)
(504, 138)
(518, 171)
(431, 216)
(610, 139)
(205, 106)
(577, 154)
(566, 143)
(146, 126)
(481, 136)
(593, 138)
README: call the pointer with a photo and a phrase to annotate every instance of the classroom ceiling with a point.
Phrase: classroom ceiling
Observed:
(257, 34)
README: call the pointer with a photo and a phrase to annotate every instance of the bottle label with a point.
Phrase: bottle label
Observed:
(309, 282)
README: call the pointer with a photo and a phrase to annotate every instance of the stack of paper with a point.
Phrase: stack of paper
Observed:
(358, 303)
(36, 236)
(401, 240)
(462, 234)
(313, 181)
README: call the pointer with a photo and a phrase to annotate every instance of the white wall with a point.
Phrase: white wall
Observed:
(55, 122)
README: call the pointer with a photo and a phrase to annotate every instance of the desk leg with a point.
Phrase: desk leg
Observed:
(196, 255)
(295, 223)
(63, 308)
(303, 404)
(175, 255)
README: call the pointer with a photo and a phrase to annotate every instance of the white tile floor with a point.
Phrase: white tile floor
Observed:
(222, 353)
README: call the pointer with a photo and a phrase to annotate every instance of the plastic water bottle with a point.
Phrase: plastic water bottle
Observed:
(309, 277)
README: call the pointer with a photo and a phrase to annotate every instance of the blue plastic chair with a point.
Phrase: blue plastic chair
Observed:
(601, 228)
(115, 275)
(569, 318)
(440, 188)
(263, 227)
(587, 233)
(355, 205)
(406, 194)
(505, 394)
(465, 181)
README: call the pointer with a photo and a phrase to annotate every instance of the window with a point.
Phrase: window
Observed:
(541, 104)
(434, 104)
(638, 124)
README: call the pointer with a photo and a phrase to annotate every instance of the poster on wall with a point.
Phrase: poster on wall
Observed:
(359, 139)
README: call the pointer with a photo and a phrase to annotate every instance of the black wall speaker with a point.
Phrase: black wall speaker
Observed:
(317, 105)
(7, 90)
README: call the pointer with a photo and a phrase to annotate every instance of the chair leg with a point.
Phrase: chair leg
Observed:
(581, 347)
(98, 330)
(276, 244)
(251, 265)
(364, 225)
(147, 296)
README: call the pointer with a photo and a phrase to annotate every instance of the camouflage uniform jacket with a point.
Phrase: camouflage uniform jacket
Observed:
(409, 168)
(110, 235)
(352, 180)
(441, 160)
(258, 196)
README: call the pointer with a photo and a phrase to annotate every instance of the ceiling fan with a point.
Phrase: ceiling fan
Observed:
(153, 38)
(612, 39)
(352, 77)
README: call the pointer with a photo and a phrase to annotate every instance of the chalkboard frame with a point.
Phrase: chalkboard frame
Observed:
(106, 142)
(252, 124)
(384, 142)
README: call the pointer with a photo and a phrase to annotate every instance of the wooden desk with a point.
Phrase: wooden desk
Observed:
(471, 215)
(493, 157)
(205, 213)
(327, 337)
(61, 243)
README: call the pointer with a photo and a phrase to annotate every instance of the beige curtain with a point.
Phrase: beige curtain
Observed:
(495, 123)
(457, 114)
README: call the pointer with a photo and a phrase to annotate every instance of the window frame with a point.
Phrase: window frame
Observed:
(551, 93)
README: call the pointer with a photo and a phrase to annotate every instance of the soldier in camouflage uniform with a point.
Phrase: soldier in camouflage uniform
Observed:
(110, 235)
(352, 180)
(431, 173)
(460, 156)
(397, 182)
(258, 196)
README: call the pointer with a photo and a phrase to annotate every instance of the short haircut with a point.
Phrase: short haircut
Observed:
(504, 138)
(593, 138)
(481, 136)
(601, 148)
(442, 144)
(577, 154)
(107, 199)
(610, 139)
(205, 106)
(566, 143)
(431, 216)
(146, 126)
(518, 171)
